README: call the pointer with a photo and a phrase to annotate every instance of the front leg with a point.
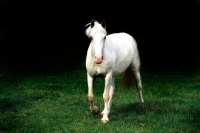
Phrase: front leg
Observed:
(93, 108)
(106, 97)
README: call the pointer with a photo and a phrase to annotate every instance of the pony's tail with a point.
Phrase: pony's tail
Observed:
(128, 79)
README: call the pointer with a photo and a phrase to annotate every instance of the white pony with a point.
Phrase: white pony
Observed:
(108, 56)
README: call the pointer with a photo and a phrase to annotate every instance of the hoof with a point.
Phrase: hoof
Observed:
(104, 121)
(95, 111)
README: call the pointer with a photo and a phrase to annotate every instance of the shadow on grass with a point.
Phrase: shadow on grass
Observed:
(9, 104)
(175, 107)
(9, 108)
(16, 109)
(137, 108)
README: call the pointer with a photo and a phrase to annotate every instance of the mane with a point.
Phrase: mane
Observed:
(97, 27)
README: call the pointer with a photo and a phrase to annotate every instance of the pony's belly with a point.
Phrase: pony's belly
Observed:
(121, 66)
(118, 71)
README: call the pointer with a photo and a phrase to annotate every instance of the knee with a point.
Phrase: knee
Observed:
(105, 97)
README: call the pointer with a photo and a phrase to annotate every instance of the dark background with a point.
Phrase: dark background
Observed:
(50, 36)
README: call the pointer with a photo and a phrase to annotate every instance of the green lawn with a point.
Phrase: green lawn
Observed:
(47, 103)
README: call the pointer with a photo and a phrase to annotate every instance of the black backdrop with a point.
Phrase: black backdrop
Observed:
(47, 33)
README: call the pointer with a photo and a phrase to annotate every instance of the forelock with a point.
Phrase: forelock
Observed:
(97, 27)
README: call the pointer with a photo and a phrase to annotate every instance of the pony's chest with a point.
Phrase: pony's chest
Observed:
(96, 70)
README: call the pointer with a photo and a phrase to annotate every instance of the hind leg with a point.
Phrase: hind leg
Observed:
(139, 84)
(135, 66)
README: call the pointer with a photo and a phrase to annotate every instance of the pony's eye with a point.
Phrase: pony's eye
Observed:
(91, 38)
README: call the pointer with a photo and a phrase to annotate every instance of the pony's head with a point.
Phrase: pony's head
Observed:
(93, 25)
(97, 33)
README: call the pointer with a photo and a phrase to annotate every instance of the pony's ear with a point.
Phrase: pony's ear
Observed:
(103, 24)
(92, 23)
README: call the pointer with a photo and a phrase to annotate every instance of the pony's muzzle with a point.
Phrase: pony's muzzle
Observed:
(98, 59)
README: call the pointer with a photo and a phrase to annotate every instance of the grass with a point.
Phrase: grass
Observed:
(58, 103)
